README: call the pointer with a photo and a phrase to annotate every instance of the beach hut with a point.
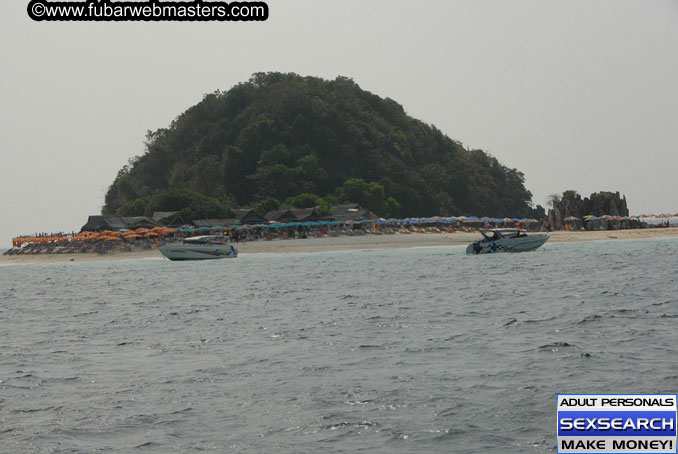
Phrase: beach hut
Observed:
(249, 217)
(97, 223)
(305, 214)
(345, 213)
(136, 222)
(172, 218)
(280, 216)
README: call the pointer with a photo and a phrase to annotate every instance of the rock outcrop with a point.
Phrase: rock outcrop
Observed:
(598, 204)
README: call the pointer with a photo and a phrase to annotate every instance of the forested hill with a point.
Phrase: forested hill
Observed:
(282, 135)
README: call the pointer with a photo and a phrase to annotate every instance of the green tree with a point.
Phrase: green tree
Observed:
(393, 208)
(369, 195)
(264, 206)
(303, 201)
(191, 205)
(134, 208)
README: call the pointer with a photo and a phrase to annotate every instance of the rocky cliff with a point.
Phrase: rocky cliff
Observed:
(598, 204)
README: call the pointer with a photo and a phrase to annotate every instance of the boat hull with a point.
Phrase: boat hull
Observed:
(516, 244)
(199, 251)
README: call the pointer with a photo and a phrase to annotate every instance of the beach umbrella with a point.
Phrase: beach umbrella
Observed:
(571, 218)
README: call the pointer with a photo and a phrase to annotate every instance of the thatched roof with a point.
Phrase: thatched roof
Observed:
(352, 212)
(305, 214)
(249, 217)
(280, 216)
(160, 215)
(171, 217)
(345, 213)
(98, 223)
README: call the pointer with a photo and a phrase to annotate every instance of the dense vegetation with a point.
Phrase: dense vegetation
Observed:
(286, 140)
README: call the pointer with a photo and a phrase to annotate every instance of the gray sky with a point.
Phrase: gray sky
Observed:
(577, 94)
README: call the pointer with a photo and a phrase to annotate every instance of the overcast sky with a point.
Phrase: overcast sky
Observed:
(577, 94)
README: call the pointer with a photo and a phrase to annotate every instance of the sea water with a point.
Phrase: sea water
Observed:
(404, 350)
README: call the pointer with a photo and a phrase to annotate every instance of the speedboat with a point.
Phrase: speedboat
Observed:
(200, 248)
(506, 240)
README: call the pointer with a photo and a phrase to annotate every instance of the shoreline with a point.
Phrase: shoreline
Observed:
(349, 243)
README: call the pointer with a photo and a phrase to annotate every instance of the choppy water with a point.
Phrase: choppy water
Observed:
(419, 350)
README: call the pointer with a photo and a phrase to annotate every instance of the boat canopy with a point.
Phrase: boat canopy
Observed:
(204, 239)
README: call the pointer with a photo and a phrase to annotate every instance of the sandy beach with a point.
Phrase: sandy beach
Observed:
(344, 243)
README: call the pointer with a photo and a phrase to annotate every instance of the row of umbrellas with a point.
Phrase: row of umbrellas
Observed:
(665, 215)
(606, 217)
(620, 218)
(87, 237)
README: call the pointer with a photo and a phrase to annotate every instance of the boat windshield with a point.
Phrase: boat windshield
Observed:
(497, 234)
(206, 239)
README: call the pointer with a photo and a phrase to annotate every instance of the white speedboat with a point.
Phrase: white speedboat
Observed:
(506, 240)
(200, 248)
